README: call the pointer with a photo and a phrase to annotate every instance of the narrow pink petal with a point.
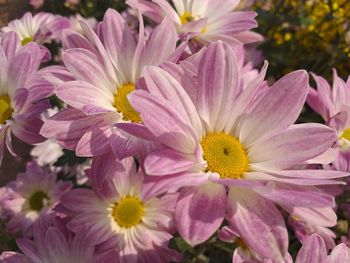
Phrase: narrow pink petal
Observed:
(162, 84)
(95, 142)
(279, 107)
(85, 66)
(258, 222)
(312, 251)
(10, 43)
(160, 44)
(118, 40)
(86, 97)
(291, 147)
(147, 8)
(164, 121)
(218, 84)
(167, 162)
(200, 212)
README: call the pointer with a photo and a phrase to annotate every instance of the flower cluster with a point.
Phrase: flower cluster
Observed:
(156, 140)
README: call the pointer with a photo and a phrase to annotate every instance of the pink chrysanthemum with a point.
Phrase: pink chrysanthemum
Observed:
(205, 21)
(40, 28)
(223, 137)
(33, 194)
(22, 89)
(53, 243)
(123, 212)
(106, 67)
(333, 105)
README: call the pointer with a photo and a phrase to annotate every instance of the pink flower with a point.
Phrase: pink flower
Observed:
(32, 195)
(123, 212)
(22, 89)
(220, 137)
(106, 67)
(40, 28)
(333, 106)
(53, 242)
(204, 21)
(314, 251)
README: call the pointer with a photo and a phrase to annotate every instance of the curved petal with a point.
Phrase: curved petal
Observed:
(312, 251)
(167, 162)
(86, 97)
(164, 121)
(291, 147)
(278, 109)
(200, 212)
(258, 222)
(217, 84)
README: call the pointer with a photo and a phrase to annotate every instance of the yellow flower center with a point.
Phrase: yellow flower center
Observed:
(26, 41)
(345, 134)
(38, 200)
(186, 17)
(128, 212)
(5, 109)
(122, 104)
(225, 155)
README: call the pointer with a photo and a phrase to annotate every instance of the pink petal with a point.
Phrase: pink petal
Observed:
(164, 122)
(86, 97)
(291, 147)
(200, 212)
(166, 162)
(258, 222)
(279, 107)
(217, 84)
(312, 251)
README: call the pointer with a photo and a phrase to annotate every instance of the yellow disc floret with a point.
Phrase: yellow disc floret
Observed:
(26, 40)
(5, 109)
(128, 212)
(186, 17)
(37, 200)
(225, 155)
(345, 134)
(122, 104)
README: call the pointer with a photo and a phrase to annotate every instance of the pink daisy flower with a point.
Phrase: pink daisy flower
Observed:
(22, 89)
(40, 28)
(333, 105)
(123, 212)
(32, 195)
(52, 242)
(224, 138)
(106, 67)
(204, 21)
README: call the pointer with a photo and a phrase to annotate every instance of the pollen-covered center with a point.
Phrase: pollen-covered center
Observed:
(38, 200)
(187, 17)
(345, 134)
(225, 155)
(26, 40)
(5, 109)
(128, 211)
(121, 103)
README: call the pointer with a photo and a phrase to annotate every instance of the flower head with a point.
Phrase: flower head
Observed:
(34, 193)
(223, 136)
(112, 63)
(123, 211)
(22, 92)
(204, 21)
